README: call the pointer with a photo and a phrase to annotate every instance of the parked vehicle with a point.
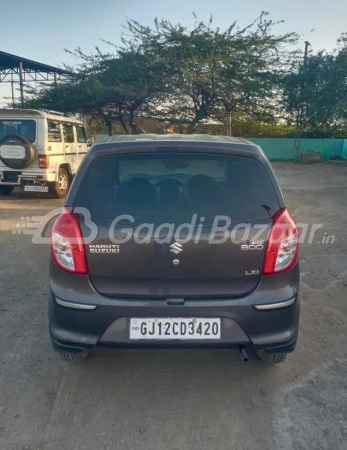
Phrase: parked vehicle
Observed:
(39, 150)
(175, 240)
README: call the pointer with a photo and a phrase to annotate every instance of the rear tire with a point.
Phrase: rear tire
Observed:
(6, 190)
(61, 187)
(74, 357)
(270, 359)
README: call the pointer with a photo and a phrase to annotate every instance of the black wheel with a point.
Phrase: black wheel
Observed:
(61, 187)
(271, 358)
(6, 190)
(74, 358)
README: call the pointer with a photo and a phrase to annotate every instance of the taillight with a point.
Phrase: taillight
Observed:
(283, 245)
(43, 161)
(67, 243)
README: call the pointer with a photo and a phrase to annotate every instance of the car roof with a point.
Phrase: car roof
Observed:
(45, 113)
(198, 142)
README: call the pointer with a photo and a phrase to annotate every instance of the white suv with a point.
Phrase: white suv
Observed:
(40, 150)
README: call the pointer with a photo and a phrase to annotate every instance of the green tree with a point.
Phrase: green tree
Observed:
(112, 87)
(209, 69)
(180, 75)
(316, 95)
(79, 95)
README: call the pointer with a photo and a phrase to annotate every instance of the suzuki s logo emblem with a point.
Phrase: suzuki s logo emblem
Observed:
(176, 248)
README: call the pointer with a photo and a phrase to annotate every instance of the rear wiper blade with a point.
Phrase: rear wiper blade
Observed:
(267, 208)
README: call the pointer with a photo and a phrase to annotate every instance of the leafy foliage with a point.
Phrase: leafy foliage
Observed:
(248, 80)
(318, 93)
(209, 69)
(114, 88)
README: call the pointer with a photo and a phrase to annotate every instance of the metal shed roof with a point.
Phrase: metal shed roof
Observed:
(15, 69)
(9, 61)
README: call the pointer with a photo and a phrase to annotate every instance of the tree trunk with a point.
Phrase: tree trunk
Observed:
(109, 127)
(200, 114)
(192, 127)
(133, 127)
(124, 126)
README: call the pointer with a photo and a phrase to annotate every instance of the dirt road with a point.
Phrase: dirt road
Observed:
(174, 400)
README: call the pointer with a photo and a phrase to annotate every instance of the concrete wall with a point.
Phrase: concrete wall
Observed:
(344, 149)
(283, 149)
(100, 137)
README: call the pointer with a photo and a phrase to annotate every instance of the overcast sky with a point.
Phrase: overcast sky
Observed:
(42, 29)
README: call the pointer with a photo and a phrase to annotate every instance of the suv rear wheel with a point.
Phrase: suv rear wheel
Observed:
(271, 358)
(61, 187)
(74, 358)
(6, 190)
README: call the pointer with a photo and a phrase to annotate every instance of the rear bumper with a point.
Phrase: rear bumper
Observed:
(104, 327)
(21, 177)
(71, 329)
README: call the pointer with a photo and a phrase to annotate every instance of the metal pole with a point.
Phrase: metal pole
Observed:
(12, 89)
(300, 112)
(21, 84)
(55, 78)
(307, 44)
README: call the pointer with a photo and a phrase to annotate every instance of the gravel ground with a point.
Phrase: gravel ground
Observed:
(171, 400)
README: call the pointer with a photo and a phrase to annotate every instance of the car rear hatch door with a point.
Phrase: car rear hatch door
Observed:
(177, 226)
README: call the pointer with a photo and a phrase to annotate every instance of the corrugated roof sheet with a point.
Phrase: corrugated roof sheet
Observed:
(9, 61)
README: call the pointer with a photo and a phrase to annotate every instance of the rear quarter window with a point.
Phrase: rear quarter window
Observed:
(54, 132)
(171, 187)
(69, 137)
(81, 134)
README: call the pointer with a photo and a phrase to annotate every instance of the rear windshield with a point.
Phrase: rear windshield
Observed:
(26, 128)
(171, 187)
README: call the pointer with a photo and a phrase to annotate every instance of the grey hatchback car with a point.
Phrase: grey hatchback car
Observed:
(175, 241)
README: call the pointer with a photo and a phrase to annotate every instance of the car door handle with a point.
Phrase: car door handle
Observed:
(80, 146)
(66, 146)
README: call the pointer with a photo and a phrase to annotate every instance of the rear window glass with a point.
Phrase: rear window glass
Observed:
(26, 128)
(171, 187)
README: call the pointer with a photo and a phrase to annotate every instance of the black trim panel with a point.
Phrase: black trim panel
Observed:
(64, 154)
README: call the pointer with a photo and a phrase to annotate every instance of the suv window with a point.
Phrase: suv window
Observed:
(54, 133)
(26, 128)
(81, 135)
(171, 187)
(68, 133)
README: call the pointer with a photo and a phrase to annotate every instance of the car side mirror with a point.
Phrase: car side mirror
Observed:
(90, 142)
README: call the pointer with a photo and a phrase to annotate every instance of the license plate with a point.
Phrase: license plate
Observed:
(175, 328)
(36, 188)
